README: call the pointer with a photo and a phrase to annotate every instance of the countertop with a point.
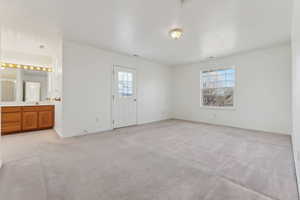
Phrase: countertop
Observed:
(43, 103)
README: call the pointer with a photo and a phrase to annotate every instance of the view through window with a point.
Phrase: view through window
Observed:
(125, 85)
(217, 87)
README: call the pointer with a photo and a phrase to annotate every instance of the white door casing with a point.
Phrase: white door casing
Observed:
(124, 101)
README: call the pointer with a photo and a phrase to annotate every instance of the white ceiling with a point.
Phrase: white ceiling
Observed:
(23, 40)
(212, 27)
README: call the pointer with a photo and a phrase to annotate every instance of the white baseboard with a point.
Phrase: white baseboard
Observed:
(59, 132)
(85, 133)
(152, 121)
(232, 126)
(294, 149)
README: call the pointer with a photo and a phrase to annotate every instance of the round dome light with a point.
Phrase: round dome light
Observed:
(176, 33)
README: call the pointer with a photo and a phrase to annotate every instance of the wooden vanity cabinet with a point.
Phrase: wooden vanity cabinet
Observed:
(26, 118)
(11, 119)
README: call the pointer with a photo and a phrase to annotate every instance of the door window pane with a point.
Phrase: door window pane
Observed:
(125, 80)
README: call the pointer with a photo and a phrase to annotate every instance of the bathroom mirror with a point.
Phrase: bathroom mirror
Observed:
(22, 85)
(8, 81)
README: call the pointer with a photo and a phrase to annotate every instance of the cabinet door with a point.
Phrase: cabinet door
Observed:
(30, 120)
(46, 119)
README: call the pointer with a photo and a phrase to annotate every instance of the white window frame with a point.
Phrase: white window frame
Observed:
(234, 88)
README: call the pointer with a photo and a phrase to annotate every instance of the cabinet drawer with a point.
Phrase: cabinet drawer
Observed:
(10, 127)
(10, 109)
(11, 117)
(37, 108)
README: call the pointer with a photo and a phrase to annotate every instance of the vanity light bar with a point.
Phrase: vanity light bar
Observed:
(28, 67)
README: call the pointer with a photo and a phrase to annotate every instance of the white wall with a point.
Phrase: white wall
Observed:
(262, 91)
(56, 85)
(296, 86)
(26, 58)
(87, 73)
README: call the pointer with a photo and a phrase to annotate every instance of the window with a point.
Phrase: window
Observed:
(125, 84)
(217, 87)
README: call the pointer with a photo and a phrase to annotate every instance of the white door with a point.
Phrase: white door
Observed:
(124, 97)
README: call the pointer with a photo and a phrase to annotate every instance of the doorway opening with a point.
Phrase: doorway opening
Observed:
(30, 88)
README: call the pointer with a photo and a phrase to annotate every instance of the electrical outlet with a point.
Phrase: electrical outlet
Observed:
(98, 121)
(85, 131)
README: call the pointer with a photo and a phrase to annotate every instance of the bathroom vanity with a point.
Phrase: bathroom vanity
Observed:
(27, 98)
(16, 119)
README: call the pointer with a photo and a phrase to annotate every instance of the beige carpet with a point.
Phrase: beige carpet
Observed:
(169, 160)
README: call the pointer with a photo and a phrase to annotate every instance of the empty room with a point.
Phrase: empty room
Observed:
(149, 100)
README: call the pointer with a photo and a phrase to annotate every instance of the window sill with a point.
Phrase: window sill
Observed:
(217, 108)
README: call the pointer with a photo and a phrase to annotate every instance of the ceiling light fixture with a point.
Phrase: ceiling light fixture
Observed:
(177, 33)
(4, 65)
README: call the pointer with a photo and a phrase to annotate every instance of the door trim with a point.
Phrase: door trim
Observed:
(113, 93)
